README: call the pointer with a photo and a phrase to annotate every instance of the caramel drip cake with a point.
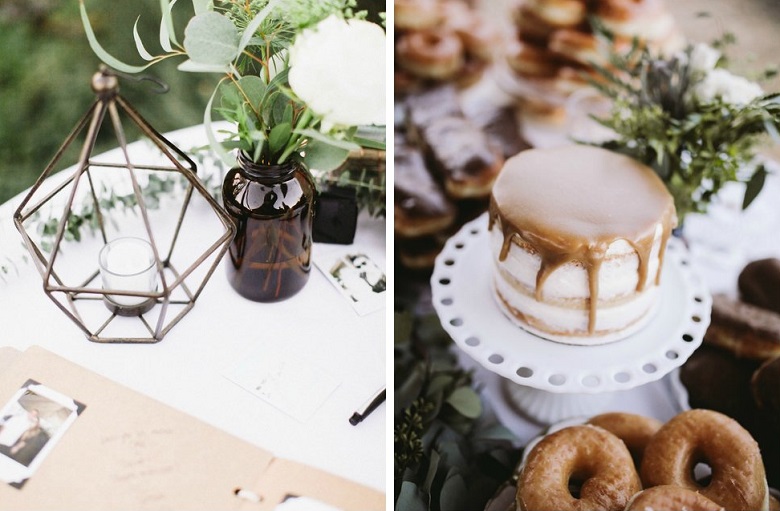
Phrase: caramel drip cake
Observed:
(578, 236)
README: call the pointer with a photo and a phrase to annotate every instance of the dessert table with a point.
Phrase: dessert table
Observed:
(190, 369)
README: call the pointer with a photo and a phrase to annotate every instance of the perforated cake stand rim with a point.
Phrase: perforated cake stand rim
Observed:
(461, 286)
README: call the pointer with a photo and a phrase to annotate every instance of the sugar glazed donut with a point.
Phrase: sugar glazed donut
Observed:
(586, 455)
(417, 14)
(634, 430)
(671, 497)
(703, 436)
(435, 54)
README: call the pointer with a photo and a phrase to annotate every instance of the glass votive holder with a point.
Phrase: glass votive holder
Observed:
(128, 265)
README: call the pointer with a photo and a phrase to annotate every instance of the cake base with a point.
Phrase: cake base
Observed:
(577, 340)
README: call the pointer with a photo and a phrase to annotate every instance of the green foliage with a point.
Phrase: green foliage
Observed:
(84, 215)
(695, 147)
(247, 41)
(448, 453)
(45, 74)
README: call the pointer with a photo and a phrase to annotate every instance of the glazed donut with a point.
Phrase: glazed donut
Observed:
(576, 46)
(745, 330)
(532, 61)
(646, 19)
(671, 497)
(420, 208)
(592, 455)
(634, 430)
(559, 13)
(433, 54)
(479, 37)
(759, 284)
(530, 27)
(703, 436)
(417, 14)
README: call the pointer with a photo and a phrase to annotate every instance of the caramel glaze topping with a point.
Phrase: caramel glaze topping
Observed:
(571, 203)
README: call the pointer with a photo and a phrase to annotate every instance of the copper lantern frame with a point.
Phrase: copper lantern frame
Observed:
(108, 101)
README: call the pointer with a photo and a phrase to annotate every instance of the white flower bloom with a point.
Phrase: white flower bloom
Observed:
(704, 58)
(338, 69)
(728, 87)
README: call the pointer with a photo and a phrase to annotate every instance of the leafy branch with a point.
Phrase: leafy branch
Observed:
(694, 144)
(448, 452)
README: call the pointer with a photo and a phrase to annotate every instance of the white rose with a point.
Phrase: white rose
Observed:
(730, 88)
(704, 57)
(338, 69)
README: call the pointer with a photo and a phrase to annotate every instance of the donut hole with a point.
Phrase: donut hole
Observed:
(456, 322)
(701, 473)
(472, 341)
(577, 480)
(446, 301)
(525, 372)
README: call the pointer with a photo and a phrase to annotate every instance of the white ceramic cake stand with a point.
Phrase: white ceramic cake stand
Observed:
(549, 381)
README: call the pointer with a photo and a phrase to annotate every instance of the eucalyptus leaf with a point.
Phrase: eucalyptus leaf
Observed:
(322, 137)
(197, 67)
(754, 186)
(200, 6)
(410, 498)
(101, 53)
(408, 390)
(252, 88)
(277, 139)
(211, 38)
(280, 104)
(324, 157)
(430, 474)
(139, 45)
(466, 402)
(223, 155)
(454, 493)
(167, 32)
(370, 143)
(497, 432)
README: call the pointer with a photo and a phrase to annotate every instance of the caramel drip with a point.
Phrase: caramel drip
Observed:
(571, 204)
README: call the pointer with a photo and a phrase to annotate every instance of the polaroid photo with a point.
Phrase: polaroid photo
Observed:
(358, 278)
(32, 422)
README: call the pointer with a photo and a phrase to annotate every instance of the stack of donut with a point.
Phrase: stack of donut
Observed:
(737, 369)
(556, 45)
(445, 166)
(622, 461)
(440, 41)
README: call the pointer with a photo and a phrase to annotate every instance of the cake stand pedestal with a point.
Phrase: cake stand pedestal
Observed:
(549, 381)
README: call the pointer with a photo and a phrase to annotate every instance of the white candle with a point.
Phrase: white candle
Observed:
(128, 264)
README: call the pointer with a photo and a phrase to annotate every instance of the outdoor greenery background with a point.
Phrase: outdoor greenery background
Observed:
(46, 67)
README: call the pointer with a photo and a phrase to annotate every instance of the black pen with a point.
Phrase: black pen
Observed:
(372, 405)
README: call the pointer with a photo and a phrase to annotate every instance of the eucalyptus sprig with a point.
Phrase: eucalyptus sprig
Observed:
(694, 123)
(449, 452)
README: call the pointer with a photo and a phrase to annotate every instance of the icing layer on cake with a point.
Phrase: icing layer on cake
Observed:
(582, 206)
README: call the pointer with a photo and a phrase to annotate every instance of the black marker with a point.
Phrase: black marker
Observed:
(372, 405)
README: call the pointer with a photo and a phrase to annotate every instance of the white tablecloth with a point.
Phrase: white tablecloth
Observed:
(186, 369)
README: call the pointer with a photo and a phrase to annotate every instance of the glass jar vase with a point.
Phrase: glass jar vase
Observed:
(273, 208)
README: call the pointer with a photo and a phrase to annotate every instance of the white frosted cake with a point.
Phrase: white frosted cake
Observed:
(578, 236)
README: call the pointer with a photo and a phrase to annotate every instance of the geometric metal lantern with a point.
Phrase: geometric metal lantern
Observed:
(183, 252)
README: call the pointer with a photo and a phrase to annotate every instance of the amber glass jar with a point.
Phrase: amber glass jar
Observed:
(273, 207)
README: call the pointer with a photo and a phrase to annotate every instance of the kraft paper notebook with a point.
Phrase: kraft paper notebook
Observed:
(107, 447)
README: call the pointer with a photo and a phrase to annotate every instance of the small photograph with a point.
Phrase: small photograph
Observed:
(31, 423)
(359, 280)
